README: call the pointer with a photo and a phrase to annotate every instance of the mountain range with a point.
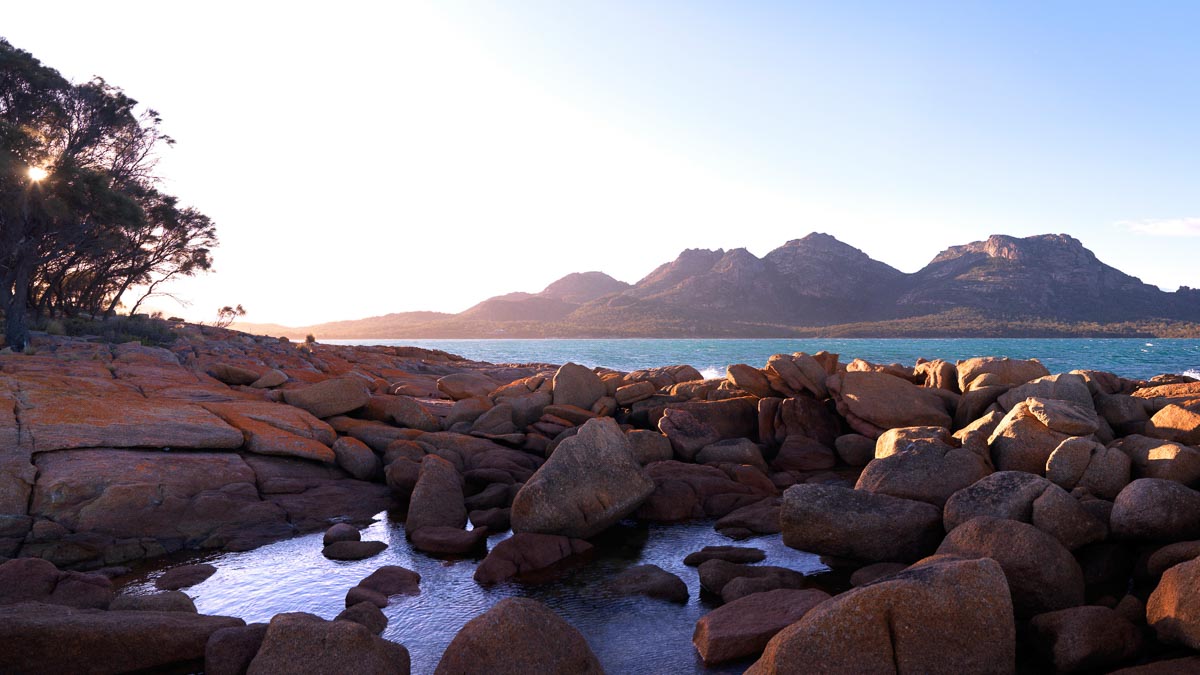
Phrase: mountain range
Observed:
(1040, 286)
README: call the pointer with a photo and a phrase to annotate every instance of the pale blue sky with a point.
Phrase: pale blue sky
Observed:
(362, 160)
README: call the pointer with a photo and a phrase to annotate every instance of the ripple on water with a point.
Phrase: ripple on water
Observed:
(629, 634)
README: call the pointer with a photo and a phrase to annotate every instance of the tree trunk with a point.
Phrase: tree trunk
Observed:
(16, 326)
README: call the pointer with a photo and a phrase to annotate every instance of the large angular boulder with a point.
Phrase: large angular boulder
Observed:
(588, 484)
(686, 432)
(749, 379)
(325, 646)
(1174, 607)
(437, 500)
(41, 638)
(927, 470)
(356, 458)
(1042, 575)
(743, 627)
(838, 521)
(1063, 387)
(230, 650)
(330, 397)
(684, 491)
(401, 411)
(577, 385)
(518, 636)
(940, 616)
(1024, 442)
(873, 402)
(1157, 458)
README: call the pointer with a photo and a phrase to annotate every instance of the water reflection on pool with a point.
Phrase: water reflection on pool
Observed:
(628, 634)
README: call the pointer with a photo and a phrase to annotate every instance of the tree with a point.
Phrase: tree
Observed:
(81, 218)
(227, 315)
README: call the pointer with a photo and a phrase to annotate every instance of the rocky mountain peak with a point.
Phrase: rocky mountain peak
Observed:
(581, 287)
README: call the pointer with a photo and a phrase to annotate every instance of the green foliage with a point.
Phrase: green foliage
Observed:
(149, 330)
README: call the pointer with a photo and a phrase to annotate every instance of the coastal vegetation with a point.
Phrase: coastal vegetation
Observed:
(83, 221)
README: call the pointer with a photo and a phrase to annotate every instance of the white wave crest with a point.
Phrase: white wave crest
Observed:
(1192, 372)
(713, 373)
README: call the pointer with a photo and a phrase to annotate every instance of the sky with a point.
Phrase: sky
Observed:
(362, 158)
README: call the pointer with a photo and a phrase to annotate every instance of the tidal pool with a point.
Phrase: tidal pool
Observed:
(629, 634)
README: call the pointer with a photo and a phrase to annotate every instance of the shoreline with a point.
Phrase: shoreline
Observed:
(227, 442)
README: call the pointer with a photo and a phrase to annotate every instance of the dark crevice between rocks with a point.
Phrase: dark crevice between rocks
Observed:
(892, 641)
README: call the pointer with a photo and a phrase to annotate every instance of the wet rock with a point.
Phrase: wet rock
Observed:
(1085, 638)
(516, 637)
(356, 458)
(1157, 510)
(37, 580)
(230, 650)
(716, 574)
(166, 601)
(1174, 607)
(831, 520)
(651, 581)
(496, 520)
(365, 613)
(325, 646)
(341, 532)
(353, 550)
(383, 583)
(525, 553)
(330, 397)
(40, 638)
(576, 385)
(1042, 575)
(733, 554)
(941, 616)
(437, 500)
(743, 627)
(184, 576)
(588, 484)
(443, 540)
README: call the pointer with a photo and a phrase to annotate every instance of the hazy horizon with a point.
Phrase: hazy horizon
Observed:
(426, 156)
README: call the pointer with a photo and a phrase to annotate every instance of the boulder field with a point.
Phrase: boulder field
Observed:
(991, 516)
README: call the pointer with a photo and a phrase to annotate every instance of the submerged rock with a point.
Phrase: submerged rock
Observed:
(651, 581)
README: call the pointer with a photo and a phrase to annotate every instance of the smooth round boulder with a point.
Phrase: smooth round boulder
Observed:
(341, 532)
(184, 576)
(229, 651)
(1042, 575)
(383, 583)
(353, 456)
(838, 521)
(518, 636)
(939, 616)
(166, 601)
(1085, 638)
(1157, 510)
(1080, 462)
(365, 613)
(353, 550)
(329, 397)
(924, 469)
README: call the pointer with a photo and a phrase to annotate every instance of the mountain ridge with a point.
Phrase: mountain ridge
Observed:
(817, 285)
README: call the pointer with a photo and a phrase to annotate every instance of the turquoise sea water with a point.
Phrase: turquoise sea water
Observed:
(1134, 358)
